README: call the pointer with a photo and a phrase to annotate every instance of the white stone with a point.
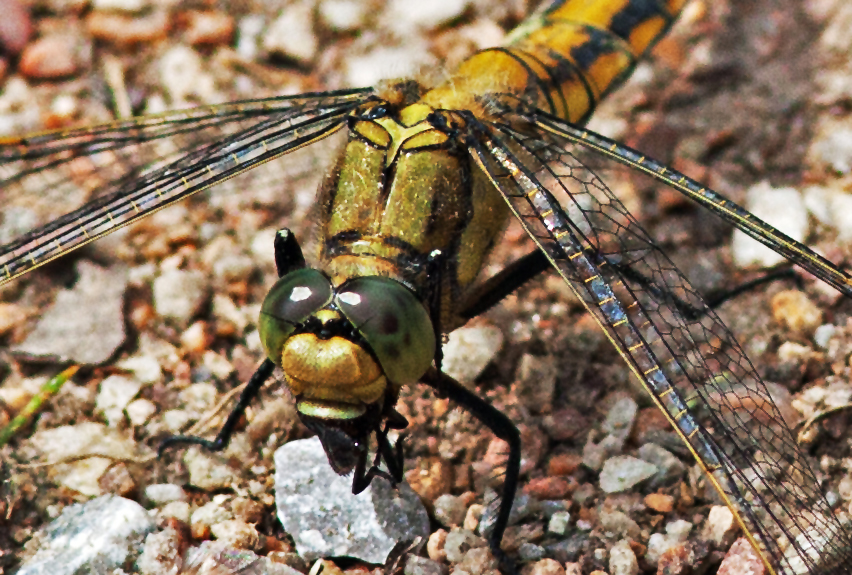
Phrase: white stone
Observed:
(292, 33)
(622, 559)
(343, 15)
(408, 15)
(782, 208)
(114, 394)
(469, 349)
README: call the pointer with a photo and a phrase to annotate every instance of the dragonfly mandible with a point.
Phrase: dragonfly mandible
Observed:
(445, 168)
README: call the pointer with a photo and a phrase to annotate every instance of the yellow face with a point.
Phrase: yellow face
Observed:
(344, 348)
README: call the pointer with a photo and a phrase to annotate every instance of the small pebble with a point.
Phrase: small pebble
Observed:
(618, 523)
(292, 33)
(458, 542)
(15, 27)
(343, 15)
(677, 561)
(415, 565)
(530, 552)
(114, 395)
(435, 545)
(50, 58)
(622, 472)
(450, 510)
(208, 471)
(424, 15)
(676, 533)
(535, 383)
(721, 525)
(796, 312)
(780, 207)
(179, 294)
(236, 533)
(478, 560)
(659, 502)
(180, 510)
(563, 464)
(549, 488)
(127, 30)
(431, 478)
(469, 349)
(622, 559)
(741, 560)
(161, 553)
(159, 493)
(209, 28)
(559, 523)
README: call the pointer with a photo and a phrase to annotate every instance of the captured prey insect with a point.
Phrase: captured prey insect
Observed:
(425, 184)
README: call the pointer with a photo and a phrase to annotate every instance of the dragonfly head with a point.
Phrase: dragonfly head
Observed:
(345, 351)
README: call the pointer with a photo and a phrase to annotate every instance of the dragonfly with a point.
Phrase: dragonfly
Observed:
(427, 179)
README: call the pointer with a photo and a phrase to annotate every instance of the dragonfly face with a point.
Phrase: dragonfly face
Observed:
(345, 352)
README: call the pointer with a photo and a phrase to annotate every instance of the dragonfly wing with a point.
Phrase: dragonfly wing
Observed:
(680, 350)
(124, 171)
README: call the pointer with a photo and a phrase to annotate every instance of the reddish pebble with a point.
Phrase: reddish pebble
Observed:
(124, 30)
(741, 560)
(677, 561)
(549, 488)
(431, 478)
(49, 58)
(209, 28)
(564, 464)
(15, 26)
(565, 424)
(659, 502)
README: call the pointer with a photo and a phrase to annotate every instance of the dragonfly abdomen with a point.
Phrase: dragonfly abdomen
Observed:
(562, 60)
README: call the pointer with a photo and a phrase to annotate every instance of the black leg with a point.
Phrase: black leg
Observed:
(502, 427)
(247, 396)
(513, 276)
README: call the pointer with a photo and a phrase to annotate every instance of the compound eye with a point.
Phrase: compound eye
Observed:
(394, 322)
(291, 301)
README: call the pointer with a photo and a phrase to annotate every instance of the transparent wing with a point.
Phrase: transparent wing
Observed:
(123, 171)
(685, 357)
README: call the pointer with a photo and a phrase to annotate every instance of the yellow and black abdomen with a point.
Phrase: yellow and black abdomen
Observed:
(562, 60)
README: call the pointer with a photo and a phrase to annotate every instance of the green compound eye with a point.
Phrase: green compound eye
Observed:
(394, 323)
(291, 301)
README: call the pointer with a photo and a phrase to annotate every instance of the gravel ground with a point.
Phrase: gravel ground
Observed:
(753, 100)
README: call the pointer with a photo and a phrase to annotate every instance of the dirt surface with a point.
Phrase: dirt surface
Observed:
(738, 94)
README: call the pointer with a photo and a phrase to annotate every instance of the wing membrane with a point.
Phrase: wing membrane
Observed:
(680, 350)
(122, 172)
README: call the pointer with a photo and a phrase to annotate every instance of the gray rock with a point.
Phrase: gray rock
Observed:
(317, 508)
(669, 467)
(623, 472)
(85, 324)
(179, 294)
(93, 537)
